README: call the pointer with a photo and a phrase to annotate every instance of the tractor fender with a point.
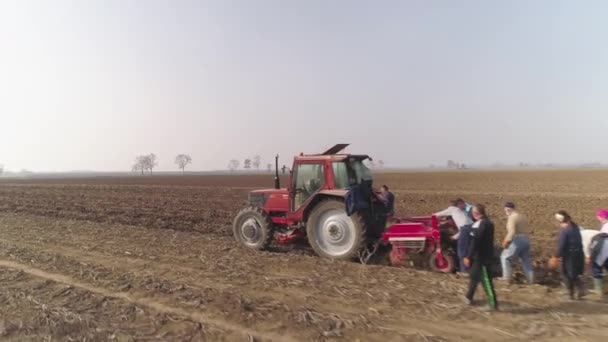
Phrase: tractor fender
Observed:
(319, 196)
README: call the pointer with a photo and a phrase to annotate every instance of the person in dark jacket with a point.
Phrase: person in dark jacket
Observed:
(570, 251)
(479, 257)
(389, 201)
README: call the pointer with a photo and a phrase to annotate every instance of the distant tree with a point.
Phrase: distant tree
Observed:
(247, 164)
(140, 164)
(257, 161)
(269, 167)
(284, 169)
(453, 165)
(372, 164)
(1, 169)
(463, 166)
(151, 162)
(233, 165)
(381, 164)
(182, 160)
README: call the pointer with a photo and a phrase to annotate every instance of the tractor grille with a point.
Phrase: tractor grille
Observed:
(413, 243)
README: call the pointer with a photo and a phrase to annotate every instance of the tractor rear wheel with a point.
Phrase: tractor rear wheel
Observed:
(252, 228)
(448, 265)
(333, 234)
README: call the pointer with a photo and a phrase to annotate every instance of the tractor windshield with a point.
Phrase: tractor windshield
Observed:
(350, 172)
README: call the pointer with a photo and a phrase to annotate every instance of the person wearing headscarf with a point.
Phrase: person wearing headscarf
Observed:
(570, 252)
(602, 216)
(595, 247)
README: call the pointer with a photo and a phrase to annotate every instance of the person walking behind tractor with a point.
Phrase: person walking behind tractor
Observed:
(457, 211)
(479, 257)
(595, 247)
(570, 251)
(516, 244)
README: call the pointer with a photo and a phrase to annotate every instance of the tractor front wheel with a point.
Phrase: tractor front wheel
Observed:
(333, 234)
(252, 228)
(447, 265)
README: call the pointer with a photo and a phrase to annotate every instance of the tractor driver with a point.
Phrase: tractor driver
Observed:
(314, 184)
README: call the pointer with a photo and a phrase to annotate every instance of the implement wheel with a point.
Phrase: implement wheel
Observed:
(333, 234)
(447, 266)
(252, 228)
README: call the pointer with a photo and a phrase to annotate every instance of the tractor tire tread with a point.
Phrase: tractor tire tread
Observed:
(264, 220)
(359, 222)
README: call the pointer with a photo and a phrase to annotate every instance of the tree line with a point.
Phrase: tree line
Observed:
(147, 162)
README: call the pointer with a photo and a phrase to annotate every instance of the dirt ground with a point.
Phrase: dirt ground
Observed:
(152, 259)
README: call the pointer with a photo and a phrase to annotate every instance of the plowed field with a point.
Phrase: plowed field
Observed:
(152, 258)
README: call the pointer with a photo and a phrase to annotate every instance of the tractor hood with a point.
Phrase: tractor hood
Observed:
(259, 198)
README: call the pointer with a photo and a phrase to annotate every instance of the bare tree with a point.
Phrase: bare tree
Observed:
(145, 162)
(247, 164)
(140, 164)
(1, 169)
(182, 160)
(151, 162)
(269, 167)
(233, 165)
(257, 161)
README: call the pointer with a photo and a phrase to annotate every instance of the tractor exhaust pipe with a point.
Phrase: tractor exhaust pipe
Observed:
(277, 181)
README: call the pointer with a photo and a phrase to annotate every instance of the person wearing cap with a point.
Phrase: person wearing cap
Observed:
(570, 252)
(479, 257)
(457, 211)
(516, 244)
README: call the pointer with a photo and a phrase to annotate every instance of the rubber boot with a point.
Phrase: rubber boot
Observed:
(597, 288)
(580, 289)
(530, 277)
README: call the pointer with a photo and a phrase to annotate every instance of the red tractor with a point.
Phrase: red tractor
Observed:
(330, 201)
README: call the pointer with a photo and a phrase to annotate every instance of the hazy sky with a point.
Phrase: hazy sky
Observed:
(88, 85)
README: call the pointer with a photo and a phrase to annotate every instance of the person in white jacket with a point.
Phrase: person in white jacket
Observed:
(598, 263)
(457, 211)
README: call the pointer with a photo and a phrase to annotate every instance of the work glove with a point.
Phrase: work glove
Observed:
(554, 262)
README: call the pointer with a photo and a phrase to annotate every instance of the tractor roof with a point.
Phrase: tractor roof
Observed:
(332, 155)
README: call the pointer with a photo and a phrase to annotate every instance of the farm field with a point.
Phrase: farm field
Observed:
(152, 258)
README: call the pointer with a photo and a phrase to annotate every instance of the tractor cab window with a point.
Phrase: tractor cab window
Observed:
(350, 172)
(309, 178)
